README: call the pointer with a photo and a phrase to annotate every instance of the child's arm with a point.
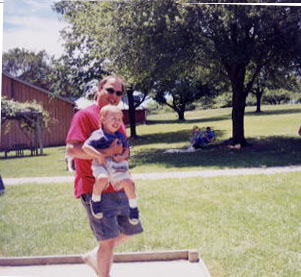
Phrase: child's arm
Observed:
(91, 151)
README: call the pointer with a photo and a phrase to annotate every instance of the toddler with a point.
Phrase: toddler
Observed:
(113, 169)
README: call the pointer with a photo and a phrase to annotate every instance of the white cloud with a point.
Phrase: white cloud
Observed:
(37, 5)
(33, 33)
(31, 24)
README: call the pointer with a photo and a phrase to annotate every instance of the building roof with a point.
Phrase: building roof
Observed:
(38, 88)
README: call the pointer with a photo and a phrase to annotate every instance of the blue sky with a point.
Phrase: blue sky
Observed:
(33, 25)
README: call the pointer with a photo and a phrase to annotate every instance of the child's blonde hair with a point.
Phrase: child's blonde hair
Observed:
(109, 109)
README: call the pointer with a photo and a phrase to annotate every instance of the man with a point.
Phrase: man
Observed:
(114, 227)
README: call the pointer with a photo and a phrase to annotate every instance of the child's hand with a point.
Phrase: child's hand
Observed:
(119, 158)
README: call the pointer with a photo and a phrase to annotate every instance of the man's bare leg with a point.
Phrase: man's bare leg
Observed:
(104, 257)
(105, 254)
(91, 257)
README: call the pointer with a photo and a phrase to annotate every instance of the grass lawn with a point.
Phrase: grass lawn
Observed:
(273, 134)
(241, 226)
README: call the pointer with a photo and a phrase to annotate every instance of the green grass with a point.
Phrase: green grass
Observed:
(273, 134)
(241, 226)
(51, 163)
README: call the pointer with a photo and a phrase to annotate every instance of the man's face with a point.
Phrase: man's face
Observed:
(110, 93)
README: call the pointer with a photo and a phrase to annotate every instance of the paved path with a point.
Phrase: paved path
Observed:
(144, 269)
(166, 175)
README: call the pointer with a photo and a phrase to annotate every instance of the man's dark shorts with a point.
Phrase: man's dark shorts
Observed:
(115, 218)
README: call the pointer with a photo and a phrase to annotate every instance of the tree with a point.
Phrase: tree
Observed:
(273, 79)
(182, 91)
(80, 65)
(93, 34)
(151, 40)
(29, 66)
(243, 39)
(277, 96)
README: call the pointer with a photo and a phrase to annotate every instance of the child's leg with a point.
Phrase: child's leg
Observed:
(101, 182)
(129, 187)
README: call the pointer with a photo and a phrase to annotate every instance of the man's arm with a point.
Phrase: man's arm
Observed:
(75, 150)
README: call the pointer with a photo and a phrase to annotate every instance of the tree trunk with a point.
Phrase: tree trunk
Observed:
(238, 107)
(181, 116)
(132, 112)
(259, 94)
(238, 112)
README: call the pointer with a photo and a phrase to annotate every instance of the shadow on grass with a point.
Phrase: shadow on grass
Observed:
(271, 151)
(188, 121)
(170, 137)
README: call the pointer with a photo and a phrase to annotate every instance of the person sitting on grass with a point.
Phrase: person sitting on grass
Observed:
(196, 139)
(201, 138)
(208, 135)
(110, 169)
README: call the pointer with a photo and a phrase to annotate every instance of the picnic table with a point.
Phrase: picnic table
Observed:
(19, 150)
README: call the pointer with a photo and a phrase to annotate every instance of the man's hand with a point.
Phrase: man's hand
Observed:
(115, 149)
(119, 158)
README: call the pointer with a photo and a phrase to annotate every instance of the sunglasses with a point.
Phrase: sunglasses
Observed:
(112, 91)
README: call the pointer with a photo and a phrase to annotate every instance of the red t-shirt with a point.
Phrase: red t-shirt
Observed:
(84, 122)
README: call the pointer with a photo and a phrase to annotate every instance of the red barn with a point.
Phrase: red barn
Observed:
(59, 109)
(140, 114)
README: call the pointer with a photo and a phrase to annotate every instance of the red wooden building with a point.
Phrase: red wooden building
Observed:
(59, 109)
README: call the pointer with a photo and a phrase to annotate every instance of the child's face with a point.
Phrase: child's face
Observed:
(111, 123)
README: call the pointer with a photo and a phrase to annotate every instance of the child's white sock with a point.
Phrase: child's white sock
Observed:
(133, 203)
(96, 197)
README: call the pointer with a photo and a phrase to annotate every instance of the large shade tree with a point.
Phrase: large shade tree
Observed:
(232, 40)
(244, 39)
(145, 40)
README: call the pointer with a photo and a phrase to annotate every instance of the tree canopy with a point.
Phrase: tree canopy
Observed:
(33, 67)
(151, 41)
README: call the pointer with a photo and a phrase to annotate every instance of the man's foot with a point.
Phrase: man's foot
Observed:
(134, 216)
(90, 258)
(96, 209)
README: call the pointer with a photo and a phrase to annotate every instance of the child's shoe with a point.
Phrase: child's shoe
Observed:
(134, 216)
(96, 209)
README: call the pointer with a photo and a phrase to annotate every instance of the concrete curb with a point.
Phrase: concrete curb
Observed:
(166, 175)
(190, 255)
